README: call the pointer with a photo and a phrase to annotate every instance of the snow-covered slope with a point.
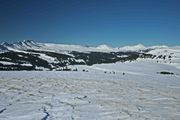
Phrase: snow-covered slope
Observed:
(26, 44)
(30, 44)
(98, 83)
(165, 55)
(105, 48)
(3, 49)
(133, 48)
(79, 48)
(62, 54)
(101, 92)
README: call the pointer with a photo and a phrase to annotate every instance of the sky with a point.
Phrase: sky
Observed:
(91, 22)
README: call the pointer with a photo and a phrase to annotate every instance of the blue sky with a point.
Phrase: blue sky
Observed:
(91, 22)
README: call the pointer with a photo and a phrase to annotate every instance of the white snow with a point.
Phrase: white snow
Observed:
(172, 52)
(26, 64)
(105, 48)
(41, 68)
(7, 63)
(48, 58)
(140, 94)
(157, 50)
(80, 61)
(133, 48)
(79, 48)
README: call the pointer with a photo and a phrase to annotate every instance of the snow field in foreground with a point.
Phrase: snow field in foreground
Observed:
(102, 93)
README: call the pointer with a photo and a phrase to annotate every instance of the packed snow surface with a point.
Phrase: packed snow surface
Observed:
(121, 91)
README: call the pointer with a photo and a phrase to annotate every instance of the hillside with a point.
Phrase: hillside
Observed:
(29, 55)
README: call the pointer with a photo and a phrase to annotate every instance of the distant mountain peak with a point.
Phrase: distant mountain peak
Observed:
(2, 48)
(140, 45)
(20, 45)
(31, 44)
(6, 44)
(28, 41)
(137, 47)
(54, 56)
(104, 47)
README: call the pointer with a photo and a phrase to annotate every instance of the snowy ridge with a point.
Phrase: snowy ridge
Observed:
(105, 48)
(26, 44)
(53, 56)
(167, 55)
(133, 48)
(30, 44)
(79, 48)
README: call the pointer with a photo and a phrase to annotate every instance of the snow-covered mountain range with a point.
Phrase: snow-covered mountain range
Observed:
(30, 55)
